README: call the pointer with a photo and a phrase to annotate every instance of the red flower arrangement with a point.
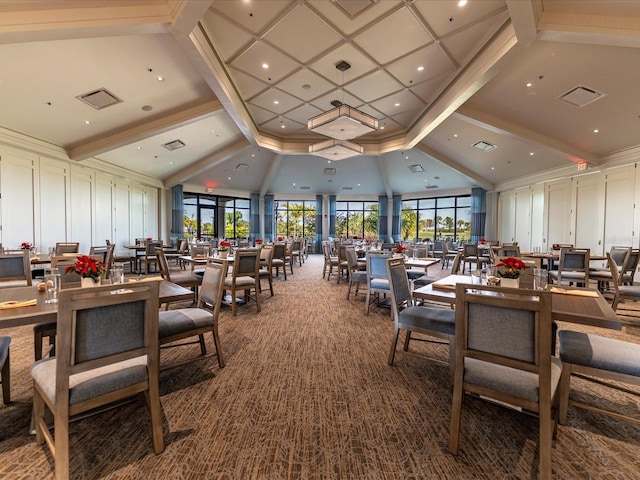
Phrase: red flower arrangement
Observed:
(258, 241)
(87, 267)
(400, 249)
(280, 239)
(26, 246)
(512, 267)
(482, 240)
(224, 246)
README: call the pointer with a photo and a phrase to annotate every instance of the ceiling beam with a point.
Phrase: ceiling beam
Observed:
(517, 132)
(274, 165)
(461, 169)
(206, 163)
(133, 133)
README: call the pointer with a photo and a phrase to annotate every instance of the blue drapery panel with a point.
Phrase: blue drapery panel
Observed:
(478, 213)
(396, 220)
(268, 218)
(254, 218)
(332, 215)
(383, 218)
(177, 212)
(318, 223)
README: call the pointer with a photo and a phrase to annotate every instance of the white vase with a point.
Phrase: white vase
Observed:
(88, 283)
(510, 282)
(223, 254)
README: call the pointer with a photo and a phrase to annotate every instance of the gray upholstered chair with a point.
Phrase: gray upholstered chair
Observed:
(503, 353)
(245, 276)
(354, 274)
(184, 279)
(150, 258)
(447, 255)
(431, 321)
(179, 324)
(573, 267)
(15, 269)
(67, 247)
(266, 261)
(377, 282)
(330, 261)
(509, 251)
(279, 259)
(5, 370)
(471, 256)
(597, 358)
(107, 351)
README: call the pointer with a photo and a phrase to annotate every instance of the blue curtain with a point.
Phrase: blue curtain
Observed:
(254, 218)
(268, 218)
(332, 215)
(396, 220)
(383, 209)
(318, 224)
(478, 213)
(177, 213)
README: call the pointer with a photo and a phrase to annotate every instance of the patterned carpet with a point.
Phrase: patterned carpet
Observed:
(307, 394)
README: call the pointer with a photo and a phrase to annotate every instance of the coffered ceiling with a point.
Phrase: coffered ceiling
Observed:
(240, 79)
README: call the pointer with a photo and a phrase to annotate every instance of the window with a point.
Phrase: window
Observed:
(357, 219)
(437, 218)
(295, 219)
(202, 214)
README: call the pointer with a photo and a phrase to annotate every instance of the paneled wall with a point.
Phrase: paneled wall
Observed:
(595, 211)
(44, 201)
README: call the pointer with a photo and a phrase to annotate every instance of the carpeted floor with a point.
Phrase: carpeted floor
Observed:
(307, 394)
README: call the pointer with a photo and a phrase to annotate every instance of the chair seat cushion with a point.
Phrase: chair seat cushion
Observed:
(422, 281)
(4, 349)
(92, 383)
(175, 322)
(515, 382)
(241, 282)
(413, 274)
(277, 262)
(358, 276)
(600, 352)
(441, 320)
(186, 279)
(379, 284)
(629, 290)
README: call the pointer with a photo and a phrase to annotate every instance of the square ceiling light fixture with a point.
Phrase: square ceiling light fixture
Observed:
(336, 149)
(343, 123)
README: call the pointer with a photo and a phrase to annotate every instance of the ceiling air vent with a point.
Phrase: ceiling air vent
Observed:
(347, 188)
(581, 96)
(329, 171)
(484, 146)
(417, 168)
(241, 167)
(99, 99)
(174, 145)
(305, 188)
(429, 187)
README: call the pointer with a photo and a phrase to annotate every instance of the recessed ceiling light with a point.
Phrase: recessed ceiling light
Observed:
(160, 78)
(382, 127)
(276, 102)
(493, 168)
(294, 184)
(265, 65)
(228, 178)
(139, 148)
(462, 3)
(420, 68)
(282, 126)
(397, 104)
(455, 135)
(213, 131)
(87, 122)
(595, 130)
(529, 84)
(531, 153)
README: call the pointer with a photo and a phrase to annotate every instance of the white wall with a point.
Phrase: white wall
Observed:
(46, 200)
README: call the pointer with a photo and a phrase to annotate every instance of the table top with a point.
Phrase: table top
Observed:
(48, 312)
(594, 310)
(421, 262)
(556, 255)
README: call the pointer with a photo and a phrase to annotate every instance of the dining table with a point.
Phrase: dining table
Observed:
(554, 256)
(38, 311)
(585, 306)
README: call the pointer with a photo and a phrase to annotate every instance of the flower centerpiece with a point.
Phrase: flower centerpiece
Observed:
(483, 241)
(223, 248)
(400, 249)
(26, 246)
(88, 268)
(280, 239)
(258, 241)
(510, 269)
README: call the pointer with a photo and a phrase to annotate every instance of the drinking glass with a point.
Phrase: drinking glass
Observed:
(117, 274)
(540, 278)
(52, 282)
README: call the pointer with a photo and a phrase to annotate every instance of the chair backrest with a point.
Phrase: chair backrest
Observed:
(183, 246)
(619, 255)
(96, 329)
(212, 287)
(150, 248)
(470, 250)
(387, 247)
(15, 267)
(352, 258)
(246, 263)
(266, 256)
(342, 252)
(632, 264)
(509, 327)
(199, 251)
(398, 284)
(280, 251)
(67, 247)
(509, 251)
(574, 259)
(376, 265)
(455, 265)
(106, 252)
(163, 265)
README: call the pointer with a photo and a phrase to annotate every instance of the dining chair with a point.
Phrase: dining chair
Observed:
(188, 280)
(67, 247)
(447, 255)
(573, 267)
(471, 256)
(179, 324)
(15, 269)
(330, 261)
(355, 275)
(245, 276)
(279, 259)
(377, 282)
(107, 352)
(150, 258)
(106, 252)
(509, 251)
(266, 264)
(503, 353)
(288, 260)
(435, 323)
(296, 252)
(5, 370)
(343, 263)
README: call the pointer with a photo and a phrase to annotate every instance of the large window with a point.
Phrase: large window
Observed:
(437, 218)
(211, 216)
(357, 219)
(295, 219)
